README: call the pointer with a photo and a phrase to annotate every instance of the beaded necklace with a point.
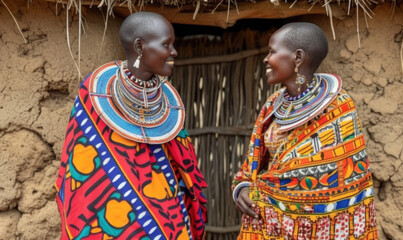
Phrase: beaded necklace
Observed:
(150, 83)
(291, 98)
(142, 102)
(291, 112)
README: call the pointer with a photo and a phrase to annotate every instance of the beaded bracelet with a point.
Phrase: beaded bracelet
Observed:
(238, 188)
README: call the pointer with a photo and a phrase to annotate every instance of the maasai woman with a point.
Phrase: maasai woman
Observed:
(128, 170)
(306, 174)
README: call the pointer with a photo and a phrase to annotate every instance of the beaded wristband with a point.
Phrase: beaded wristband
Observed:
(238, 188)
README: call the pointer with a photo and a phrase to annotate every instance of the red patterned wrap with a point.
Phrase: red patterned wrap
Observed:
(110, 187)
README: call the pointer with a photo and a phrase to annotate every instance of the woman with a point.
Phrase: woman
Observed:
(306, 175)
(128, 170)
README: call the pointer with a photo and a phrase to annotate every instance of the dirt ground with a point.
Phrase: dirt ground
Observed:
(38, 83)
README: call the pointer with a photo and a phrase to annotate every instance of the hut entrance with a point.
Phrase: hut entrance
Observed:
(220, 77)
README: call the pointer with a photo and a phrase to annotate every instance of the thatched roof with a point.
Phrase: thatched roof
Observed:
(224, 13)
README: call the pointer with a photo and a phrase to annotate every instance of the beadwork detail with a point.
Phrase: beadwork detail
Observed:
(141, 105)
(142, 111)
(300, 79)
(291, 112)
(310, 87)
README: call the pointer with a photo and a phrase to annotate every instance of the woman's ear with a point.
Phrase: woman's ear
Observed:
(299, 56)
(138, 46)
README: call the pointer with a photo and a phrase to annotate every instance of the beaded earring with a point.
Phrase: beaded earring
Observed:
(300, 79)
(136, 63)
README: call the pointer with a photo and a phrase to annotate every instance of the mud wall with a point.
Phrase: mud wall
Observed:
(373, 76)
(38, 83)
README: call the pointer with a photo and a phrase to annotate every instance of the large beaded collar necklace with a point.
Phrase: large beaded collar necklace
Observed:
(292, 112)
(142, 111)
(143, 103)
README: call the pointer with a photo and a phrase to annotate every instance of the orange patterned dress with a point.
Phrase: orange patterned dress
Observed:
(312, 181)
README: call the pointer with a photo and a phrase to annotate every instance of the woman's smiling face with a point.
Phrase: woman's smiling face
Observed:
(158, 52)
(280, 61)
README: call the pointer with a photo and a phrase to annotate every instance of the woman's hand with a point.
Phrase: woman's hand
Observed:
(245, 204)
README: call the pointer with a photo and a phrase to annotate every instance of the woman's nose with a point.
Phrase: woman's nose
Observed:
(266, 60)
(174, 53)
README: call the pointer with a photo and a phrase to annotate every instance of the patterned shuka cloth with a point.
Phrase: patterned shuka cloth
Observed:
(110, 187)
(318, 185)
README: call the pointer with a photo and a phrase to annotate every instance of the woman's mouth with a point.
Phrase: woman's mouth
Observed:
(170, 62)
(268, 70)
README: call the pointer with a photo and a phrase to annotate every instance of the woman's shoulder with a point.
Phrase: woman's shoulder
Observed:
(343, 97)
(272, 98)
(343, 101)
(341, 94)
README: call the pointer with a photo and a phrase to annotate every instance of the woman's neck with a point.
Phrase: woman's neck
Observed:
(145, 76)
(295, 89)
(139, 72)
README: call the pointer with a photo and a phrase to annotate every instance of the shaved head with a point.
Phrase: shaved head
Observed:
(308, 37)
(139, 25)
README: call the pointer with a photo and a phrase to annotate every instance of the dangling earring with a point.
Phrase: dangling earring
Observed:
(136, 63)
(300, 79)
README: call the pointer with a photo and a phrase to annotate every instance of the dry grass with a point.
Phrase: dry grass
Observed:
(362, 7)
(15, 20)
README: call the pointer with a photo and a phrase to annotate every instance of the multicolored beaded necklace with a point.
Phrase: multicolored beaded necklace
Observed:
(291, 112)
(291, 98)
(273, 138)
(143, 103)
(149, 84)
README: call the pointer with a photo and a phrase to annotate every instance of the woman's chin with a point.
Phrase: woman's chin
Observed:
(167, 71)
(269, 80)
(167, 74)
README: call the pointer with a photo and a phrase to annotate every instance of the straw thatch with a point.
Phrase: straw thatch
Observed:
(196, 5)
(224, 13)
(228, 11)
